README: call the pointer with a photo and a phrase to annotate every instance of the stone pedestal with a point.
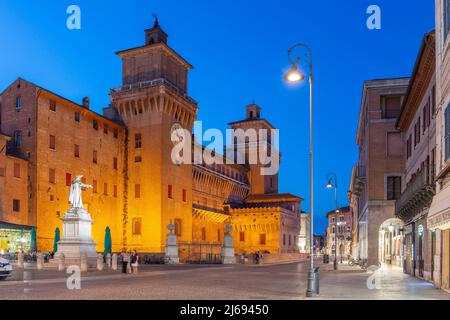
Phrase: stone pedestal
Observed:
(114, 262)
(171, 256)
(77, 238)
(39, 261)
(108, 260)
(100, 264)
(228, 256)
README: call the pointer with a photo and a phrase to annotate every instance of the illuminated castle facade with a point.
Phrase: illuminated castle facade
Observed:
(46, 140)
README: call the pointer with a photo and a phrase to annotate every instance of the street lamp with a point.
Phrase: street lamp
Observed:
(294, 76)
(332, 182)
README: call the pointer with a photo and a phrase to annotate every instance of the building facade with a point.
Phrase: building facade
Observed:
(439, 212)
(343, 221)
(377, 178)
(418, 126)
(126, 155)
(304, 236)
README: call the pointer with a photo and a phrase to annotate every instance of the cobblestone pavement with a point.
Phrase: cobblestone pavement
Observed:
(283, 281)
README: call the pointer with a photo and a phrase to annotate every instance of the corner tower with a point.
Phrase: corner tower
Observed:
(152, 99)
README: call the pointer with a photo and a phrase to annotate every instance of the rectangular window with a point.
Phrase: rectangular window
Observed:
(52, 105)
(68, 179)
(94, 157)
(284, 239)
(137, 226)
(138, 141)
(94, 186)
(52, 142)
(446, 16)
(95, 124)
(394, 188)
(447, 133)
(115, 191)
(52, 175)
(19, 103)
(184, 195)
(138, 159)
(417, 133)
(169, 192)
(105, 129)
(290, 240)
(178, 227)
(16, 170)
(391, 106)
(115, 163)
(394, 144)
(18, 138)
(77, 116)
(76, 151)
(242, 236)
(433, 102)
(409, 147)
(203, 234)
(105, 189)
(137, 191)
(262, 239)
(16, 205)
(116, 133)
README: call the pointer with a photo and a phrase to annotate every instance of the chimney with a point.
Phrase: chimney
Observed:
(86, 102)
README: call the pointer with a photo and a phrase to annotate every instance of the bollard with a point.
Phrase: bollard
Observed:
(100, 262)
(20, 258)
(40, 261)
(108, 260)
(114, 262)
(83, 263)
(61, 262)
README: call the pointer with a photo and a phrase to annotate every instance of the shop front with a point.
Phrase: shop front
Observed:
(15, 238)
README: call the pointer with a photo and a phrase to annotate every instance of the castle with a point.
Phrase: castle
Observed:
(125, 154)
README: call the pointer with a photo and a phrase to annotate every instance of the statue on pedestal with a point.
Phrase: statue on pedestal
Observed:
(75, 198)
(76, 241)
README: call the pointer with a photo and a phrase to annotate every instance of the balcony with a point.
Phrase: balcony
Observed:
(418, 195)
(359, 178)
(151, 84)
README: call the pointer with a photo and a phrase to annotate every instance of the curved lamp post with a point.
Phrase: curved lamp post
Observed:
(294, 76)
(332, 183)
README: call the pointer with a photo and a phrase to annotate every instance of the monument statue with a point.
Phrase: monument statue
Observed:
(76, 243)
(75, 198)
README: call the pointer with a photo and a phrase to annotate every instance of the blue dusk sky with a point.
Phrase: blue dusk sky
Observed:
(239, 53)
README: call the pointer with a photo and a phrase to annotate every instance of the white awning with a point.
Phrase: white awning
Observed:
(439, 213)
